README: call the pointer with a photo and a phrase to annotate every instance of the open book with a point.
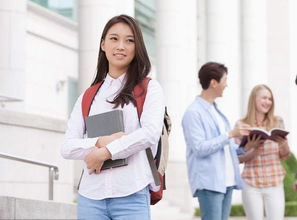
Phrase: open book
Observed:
(265, 134)
(106, 124)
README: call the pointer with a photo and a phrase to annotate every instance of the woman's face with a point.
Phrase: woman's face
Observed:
(263, 101)
(119, 47)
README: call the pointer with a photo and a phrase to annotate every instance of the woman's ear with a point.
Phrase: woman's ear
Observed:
(102, 45)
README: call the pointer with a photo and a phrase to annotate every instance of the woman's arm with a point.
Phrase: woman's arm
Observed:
(252, 148)
(151, 122)
(75, 146)
(251, 154)
(284, 150)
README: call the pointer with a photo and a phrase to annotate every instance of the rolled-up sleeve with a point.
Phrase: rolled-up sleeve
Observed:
(197, 140)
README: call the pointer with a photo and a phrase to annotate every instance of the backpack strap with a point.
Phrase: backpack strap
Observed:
(86, 103)
(88, 98)
(139, 91)
(139, 95)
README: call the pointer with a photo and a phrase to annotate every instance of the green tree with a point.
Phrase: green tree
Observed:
(291, 168)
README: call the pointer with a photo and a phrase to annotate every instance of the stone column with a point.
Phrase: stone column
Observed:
(254, 40)
(223, 45)
(176, 62)
(12, 51)
(278, 57)
(93, 15)
(292, 126)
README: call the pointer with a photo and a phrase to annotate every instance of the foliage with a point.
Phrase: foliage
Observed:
(291, 208)
(290, 166)
(237, 210)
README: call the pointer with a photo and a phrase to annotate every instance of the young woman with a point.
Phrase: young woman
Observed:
(263, 173)
(120, 193)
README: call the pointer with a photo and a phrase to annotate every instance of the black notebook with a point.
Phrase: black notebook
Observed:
(265, 134)
(106, 124)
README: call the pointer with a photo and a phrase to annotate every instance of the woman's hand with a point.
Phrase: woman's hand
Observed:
(281, 141)
(284, 150)
(252, 148)
(96, 158)
(253, 142)
(105, 140)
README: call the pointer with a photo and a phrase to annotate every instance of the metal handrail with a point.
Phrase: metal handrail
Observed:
(53, 170)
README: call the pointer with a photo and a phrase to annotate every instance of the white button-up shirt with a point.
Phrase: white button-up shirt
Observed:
(121, 181)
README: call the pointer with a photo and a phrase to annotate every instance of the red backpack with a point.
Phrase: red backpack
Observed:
(157, 164)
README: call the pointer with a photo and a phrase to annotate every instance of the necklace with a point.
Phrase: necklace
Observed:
(260, 124)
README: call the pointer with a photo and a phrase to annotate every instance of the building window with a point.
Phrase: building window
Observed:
(67, 8)
(145, 14)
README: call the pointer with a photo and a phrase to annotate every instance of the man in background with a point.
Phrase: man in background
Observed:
(212, 161)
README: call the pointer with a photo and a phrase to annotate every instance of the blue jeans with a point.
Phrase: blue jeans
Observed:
(133, 207)
(214, 205)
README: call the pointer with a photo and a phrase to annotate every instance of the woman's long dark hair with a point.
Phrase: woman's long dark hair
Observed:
(138, 69)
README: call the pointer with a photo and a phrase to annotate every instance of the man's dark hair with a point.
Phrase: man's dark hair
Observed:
(209, 71)
(296, 80)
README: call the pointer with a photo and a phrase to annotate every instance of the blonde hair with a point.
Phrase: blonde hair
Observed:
(250, 118)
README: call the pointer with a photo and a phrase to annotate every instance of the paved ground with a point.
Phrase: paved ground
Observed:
(165, 211)
(243, 218)
(230, 218)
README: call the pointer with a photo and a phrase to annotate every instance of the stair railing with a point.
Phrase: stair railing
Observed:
(53, 170)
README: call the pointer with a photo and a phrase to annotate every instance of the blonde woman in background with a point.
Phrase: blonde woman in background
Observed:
(263, 173)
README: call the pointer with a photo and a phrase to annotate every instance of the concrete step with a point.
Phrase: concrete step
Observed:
(18, 208)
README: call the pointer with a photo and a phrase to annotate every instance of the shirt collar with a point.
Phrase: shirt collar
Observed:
(205, 103)
(115, 82)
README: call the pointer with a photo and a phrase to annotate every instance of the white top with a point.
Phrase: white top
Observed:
(229, 170)
(126, 180)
